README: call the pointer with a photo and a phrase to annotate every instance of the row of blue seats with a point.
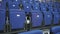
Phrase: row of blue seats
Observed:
(18, 18)
(12, 2)
(28, 8)
(53, 30)
(16, 3)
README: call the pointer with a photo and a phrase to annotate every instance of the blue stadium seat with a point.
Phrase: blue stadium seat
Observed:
(55, 14)
(2, 19)
(35, 6)
(51, 9)
(14, 1)
(27, 7)
(17, 19)
(2, 4)
(56, 4)
(55, 9)
(33, 32)
(30, 1)
(47, 17)
(50, 4)
(43, 6)
(12, 5)
(56, 18)
(23, 2)
(37, 18)
(55, 29)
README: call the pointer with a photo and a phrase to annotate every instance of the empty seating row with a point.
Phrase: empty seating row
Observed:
(35, 5)
(27, 6)
(17, 18)
(46, 13)
(53, 30)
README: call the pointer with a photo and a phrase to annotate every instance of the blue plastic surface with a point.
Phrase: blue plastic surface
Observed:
(37, 18)
(47, 18)
(55, 29)
(17, 19)
(2, 19)
(13, 5)
(33, 32)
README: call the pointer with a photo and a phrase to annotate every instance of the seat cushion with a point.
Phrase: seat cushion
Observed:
(33, 32)
(55, 29)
